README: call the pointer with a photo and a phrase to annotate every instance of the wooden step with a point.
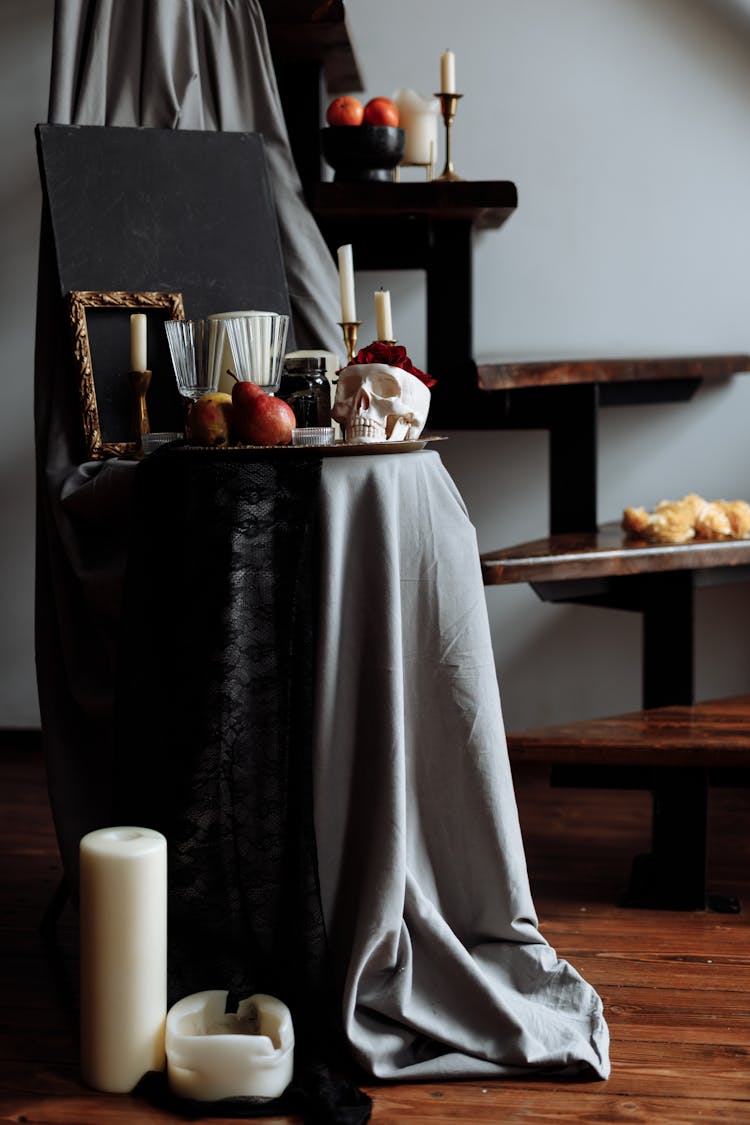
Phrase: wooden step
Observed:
(679, 753)
(604, 553)
(709, 735)
(484, 204)
(511, 375)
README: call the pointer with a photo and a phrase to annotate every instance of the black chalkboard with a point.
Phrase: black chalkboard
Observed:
(174, 211)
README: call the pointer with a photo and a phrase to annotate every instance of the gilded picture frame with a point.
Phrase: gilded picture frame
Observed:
(104, 393)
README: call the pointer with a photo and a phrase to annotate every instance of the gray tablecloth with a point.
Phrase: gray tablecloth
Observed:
(442, 969)
(423, 877)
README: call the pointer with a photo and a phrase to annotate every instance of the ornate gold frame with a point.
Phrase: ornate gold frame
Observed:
(78, 301)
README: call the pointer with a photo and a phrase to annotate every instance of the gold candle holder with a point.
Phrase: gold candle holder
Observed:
(350, 330)
(391, 342)
(448, 105)
(139, 381)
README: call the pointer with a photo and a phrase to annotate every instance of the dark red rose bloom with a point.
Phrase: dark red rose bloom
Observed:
(393, 355)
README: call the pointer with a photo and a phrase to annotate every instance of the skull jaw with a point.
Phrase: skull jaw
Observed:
(363, 430)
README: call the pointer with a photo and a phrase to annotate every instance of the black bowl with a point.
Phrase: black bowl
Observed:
(362, 152)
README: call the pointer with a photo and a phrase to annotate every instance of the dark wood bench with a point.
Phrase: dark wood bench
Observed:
(676, 752)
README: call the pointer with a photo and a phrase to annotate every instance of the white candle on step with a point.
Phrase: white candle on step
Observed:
(419, 118)
(383, 323)
(123, 942)
(138, 350)
(447, 73)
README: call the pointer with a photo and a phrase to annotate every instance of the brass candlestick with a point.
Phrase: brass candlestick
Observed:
(350, 330)
(139, 383)
(448, 104)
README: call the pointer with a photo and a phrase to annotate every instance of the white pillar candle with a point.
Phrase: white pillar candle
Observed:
(383, 323)
(138, 352)
(123, 943)
(213, 1054)
(447, 73)
(346, 284)
(419, 118)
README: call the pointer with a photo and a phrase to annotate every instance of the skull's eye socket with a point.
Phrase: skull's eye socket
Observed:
(385, 385)
(348, 385)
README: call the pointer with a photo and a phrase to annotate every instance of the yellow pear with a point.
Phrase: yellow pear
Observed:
(209, 420)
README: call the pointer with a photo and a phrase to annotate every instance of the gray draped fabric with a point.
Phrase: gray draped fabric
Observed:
(192, 64)
(423, 879)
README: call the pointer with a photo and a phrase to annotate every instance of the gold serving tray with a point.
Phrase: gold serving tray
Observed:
(339, 449)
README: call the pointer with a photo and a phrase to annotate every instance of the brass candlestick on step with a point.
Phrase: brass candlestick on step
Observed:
(448, 105)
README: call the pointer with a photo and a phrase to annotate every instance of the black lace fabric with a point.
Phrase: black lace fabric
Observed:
(215, 702)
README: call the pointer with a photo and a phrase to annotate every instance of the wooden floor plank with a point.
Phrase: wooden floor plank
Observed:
(675, 986)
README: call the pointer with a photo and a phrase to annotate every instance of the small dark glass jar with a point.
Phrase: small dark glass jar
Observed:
(305, 387)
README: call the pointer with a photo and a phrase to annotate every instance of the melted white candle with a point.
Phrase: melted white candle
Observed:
(419, 118)
(212, 1054)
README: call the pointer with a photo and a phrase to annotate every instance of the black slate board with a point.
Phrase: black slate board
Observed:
(165, 210)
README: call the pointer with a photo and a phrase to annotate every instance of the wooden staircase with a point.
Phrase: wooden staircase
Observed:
(678, 753)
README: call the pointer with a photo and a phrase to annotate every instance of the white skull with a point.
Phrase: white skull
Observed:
(375, 402)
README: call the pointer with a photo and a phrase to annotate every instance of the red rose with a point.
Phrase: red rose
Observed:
(392, 355)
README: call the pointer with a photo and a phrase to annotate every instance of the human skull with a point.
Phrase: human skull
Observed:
(375, 402)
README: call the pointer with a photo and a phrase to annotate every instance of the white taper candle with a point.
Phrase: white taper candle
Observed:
(138, 350)
(447, 73)
(383, 323)
(346, 283)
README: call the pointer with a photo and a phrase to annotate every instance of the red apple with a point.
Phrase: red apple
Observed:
(380, 111)
(259, 418)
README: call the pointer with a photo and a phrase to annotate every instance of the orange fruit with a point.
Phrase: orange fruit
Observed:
(345, 111)
(381, 111)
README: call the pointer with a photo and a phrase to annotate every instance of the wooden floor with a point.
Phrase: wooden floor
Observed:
(676, 986)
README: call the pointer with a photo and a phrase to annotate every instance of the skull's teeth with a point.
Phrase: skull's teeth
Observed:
(364, 427)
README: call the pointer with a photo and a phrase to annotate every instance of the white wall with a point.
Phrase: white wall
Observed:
(626, 126)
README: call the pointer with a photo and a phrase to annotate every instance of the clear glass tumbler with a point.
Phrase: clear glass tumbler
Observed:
(258, 342)
(196, 348)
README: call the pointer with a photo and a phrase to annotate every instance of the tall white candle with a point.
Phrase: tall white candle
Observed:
(123, 943)
(138, 353)
(346, 284)
(447, 73)
(383, 323)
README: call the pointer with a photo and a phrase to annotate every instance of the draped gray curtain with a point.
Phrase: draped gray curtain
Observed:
(192, 64)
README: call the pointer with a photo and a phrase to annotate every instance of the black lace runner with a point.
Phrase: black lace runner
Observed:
(215, 704)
